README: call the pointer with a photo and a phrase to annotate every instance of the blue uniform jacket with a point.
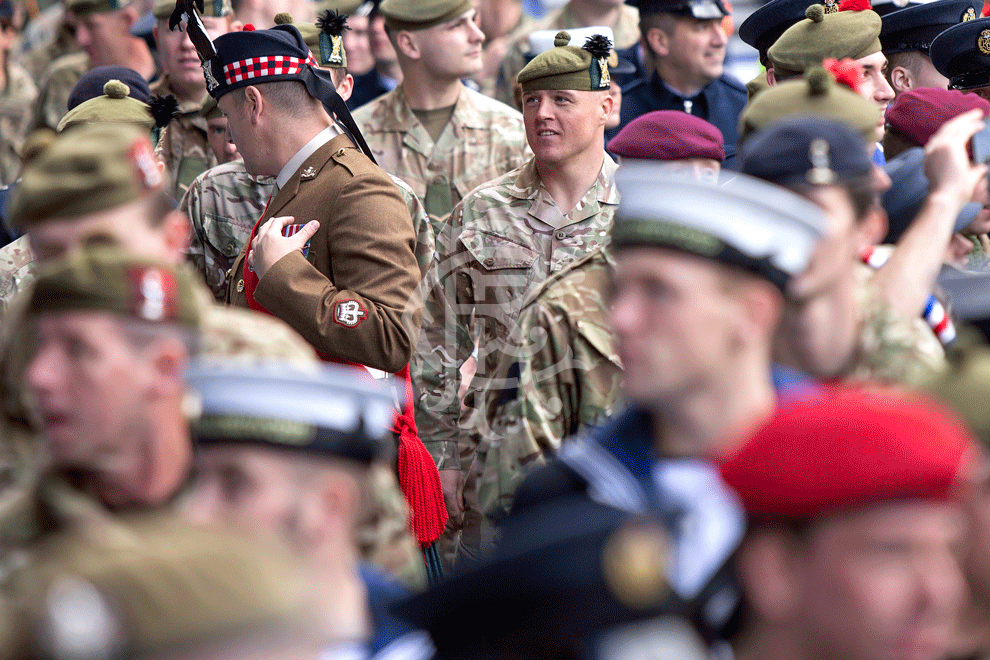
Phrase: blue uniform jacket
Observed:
(718, 103)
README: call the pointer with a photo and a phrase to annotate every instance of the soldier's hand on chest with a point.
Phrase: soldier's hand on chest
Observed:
(269, 244)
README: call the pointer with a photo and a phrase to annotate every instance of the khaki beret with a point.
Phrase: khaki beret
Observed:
(108, 279)
(210, 109)
(853, 32)
(347, 7)
(324, 37)
(114, 107)
(88, 169)
(817, 95)
(85, 7)
(569, 67)
(421, 14)
(212, 8)
(147, 586)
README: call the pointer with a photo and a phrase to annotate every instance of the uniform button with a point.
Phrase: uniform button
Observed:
(229, 273)
(240, 286)
(340, 152)
(490, 261)
(560, 234)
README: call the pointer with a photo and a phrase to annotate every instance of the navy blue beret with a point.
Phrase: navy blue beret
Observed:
(91, 84)
(806, 150)
(251, 57)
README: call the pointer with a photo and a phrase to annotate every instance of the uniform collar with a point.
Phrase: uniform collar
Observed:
(324, 136)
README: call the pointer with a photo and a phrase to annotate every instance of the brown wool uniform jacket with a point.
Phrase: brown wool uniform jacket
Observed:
(356, 295)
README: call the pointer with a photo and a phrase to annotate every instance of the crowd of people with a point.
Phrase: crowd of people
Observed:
(405, 329)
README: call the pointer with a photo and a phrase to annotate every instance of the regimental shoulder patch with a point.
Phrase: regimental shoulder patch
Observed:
(349, 313)
(983, 42)
(968, 15)
(831, 6)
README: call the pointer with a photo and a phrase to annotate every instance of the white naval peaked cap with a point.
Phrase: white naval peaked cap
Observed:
(738, 220)
(333, 411)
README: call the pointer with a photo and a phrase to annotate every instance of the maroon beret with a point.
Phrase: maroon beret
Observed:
(919, 113)
(847, 448)
(668, 135)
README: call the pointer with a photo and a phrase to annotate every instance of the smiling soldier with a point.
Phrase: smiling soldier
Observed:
(509, 235)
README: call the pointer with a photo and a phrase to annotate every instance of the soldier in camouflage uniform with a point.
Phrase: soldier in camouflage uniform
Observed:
(567, 375)
(184, 146)
(103, 31)
(440, 137)
(509, 235)
(17, 94)
(621, 17)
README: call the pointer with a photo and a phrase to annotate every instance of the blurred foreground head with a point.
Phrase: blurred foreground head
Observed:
(154, 588)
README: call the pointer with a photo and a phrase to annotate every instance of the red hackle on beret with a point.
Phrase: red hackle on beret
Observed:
(248, 27)
(668, 135)
(986, 9)
(845, 71)
(917, 114)
(855, 5)
(845, 449)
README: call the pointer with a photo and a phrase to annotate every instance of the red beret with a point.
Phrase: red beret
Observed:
(919, 113)
(668, 135)
(845, 449)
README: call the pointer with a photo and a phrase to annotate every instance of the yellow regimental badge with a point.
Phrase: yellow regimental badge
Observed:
(983, 42)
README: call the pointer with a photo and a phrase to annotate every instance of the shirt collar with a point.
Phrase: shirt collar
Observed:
(324, 136)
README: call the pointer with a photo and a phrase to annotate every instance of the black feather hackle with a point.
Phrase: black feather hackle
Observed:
(332, 23)
(598, 45)
(163, 109)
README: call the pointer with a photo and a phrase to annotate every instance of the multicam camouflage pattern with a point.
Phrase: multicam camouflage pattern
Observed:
(483, 140)
(18, 268)
(223, 205)
(892, 349)
(625, 31)
(46, 37)
(566, 375)
(183, 145)
(500, 243)
(225, 202)
(15, 114)
(382, 532)
(56, 85)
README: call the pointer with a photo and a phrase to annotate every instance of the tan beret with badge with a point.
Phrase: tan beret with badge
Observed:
(86, 7)
(211, 8)
(108, 279)
(853, 32)
(421, 14)
(325, 37)
(91, 168)
(154, 587)
(816, 95)
(565, 66)
(114, 106)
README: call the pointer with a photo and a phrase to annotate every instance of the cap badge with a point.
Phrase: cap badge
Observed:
(349, 313)
(606, 78)
(821, 173)
(634, 565)
(148, 174)
(211, 82)
(831, 6)
(154, 293)
(983, 42)
(969, 15)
